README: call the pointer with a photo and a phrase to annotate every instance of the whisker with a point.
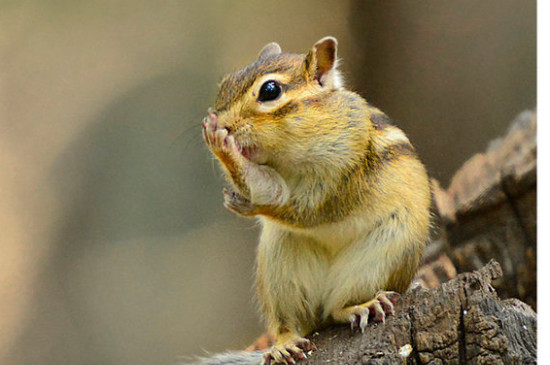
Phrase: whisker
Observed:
(184, 134)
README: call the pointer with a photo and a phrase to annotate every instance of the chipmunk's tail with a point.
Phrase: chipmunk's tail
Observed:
(226, 358)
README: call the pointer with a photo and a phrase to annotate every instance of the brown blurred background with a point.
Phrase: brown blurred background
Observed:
(115, 246)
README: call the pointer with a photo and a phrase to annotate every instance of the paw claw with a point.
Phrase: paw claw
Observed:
(237, 203)
(220, 137)
(213, 119)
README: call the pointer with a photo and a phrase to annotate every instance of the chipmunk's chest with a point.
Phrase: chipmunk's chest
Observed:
(336, 237)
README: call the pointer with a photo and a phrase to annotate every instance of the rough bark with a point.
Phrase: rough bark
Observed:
(463, 321)
(489, 211)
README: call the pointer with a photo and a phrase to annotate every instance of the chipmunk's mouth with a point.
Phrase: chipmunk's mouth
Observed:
(251, 152)
(242, 142)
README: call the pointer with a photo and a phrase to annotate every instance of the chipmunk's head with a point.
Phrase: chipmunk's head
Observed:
(281, 108)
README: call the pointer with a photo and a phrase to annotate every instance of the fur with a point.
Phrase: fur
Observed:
(228, 358)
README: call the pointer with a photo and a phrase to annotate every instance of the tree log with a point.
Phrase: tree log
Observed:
(463, 321)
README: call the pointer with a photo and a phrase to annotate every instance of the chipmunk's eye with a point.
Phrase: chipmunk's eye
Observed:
(270, 90)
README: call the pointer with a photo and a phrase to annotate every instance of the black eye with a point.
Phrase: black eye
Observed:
(270, 90)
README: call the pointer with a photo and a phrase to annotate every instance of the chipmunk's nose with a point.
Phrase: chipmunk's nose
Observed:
(223, 119)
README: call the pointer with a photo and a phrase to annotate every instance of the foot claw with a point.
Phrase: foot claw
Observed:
(288, 352)
(352, 323)
(393, 297)
(364, 322)
(376, 310)
(306, 345)
(387, 305)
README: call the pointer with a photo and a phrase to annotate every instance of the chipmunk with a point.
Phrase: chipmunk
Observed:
(343, 199)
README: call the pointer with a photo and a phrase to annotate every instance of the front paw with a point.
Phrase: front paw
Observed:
(220, 142)
(238, 204)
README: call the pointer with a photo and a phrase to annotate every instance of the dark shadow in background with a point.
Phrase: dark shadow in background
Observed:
(453, 74)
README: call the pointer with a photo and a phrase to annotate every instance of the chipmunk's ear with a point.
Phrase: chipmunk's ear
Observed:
(268, 50)
(321, 63)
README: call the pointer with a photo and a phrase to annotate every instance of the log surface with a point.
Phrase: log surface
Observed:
(463, 321)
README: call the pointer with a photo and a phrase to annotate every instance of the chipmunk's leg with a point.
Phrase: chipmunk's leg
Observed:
(377, 309)
(259, 184)
(289, 293)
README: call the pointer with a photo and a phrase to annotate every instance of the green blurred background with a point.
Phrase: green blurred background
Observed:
(115, 246)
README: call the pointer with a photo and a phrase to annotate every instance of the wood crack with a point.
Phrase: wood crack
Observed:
(412, 332)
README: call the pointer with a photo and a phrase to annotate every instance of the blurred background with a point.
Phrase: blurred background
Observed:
(115, 245)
